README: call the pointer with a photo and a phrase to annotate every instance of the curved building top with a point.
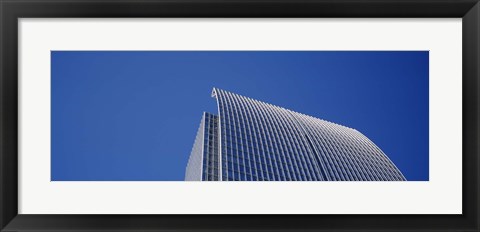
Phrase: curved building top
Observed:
(259, 141)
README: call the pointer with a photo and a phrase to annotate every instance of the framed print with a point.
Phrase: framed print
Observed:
(250, 116)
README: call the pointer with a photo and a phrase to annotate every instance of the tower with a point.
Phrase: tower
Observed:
(251, 140)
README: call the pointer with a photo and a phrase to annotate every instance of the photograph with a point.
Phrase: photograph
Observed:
(239, 115)
(283, 115)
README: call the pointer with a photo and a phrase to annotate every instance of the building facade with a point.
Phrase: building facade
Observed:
(251, 140)
(203, 163)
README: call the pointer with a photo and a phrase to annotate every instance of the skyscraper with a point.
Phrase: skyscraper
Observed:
(252, 140)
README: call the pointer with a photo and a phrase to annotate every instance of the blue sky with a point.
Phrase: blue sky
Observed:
(133, 115)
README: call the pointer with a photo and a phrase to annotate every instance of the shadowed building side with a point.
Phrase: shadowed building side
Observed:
(258, 141)
(203, 161)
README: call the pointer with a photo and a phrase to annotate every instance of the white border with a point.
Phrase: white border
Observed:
(441, 195)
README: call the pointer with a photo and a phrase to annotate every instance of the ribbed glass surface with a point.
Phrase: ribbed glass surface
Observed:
(210, 148)
(258, 141)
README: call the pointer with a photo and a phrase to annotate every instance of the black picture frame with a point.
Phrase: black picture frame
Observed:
(12, 10)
